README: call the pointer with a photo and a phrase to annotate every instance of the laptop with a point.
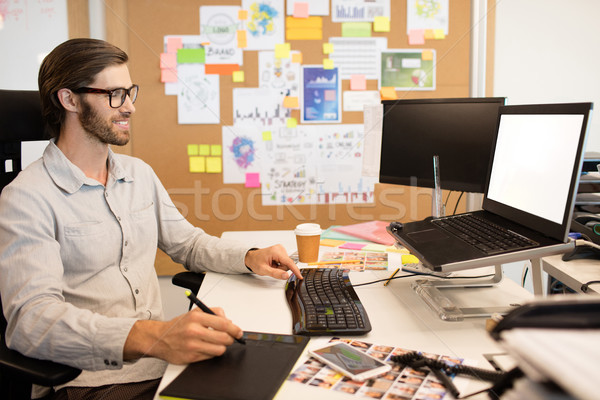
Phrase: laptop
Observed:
(530, 191)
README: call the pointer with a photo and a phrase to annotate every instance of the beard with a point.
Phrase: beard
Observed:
(100, 129)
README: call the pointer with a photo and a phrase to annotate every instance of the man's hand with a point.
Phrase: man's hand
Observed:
(271, 261)
(193, 336)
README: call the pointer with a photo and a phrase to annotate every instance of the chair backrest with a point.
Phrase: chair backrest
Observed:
(20, 121)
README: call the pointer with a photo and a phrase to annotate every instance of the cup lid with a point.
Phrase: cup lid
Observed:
(308, 230)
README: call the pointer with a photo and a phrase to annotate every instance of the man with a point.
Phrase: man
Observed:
(79, 230)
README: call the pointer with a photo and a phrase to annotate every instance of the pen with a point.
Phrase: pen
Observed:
(336, 262)
(391, 277)
(207, 310)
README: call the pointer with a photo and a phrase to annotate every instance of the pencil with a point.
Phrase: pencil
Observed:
(336, 262)
(391, 277)
(207, 310)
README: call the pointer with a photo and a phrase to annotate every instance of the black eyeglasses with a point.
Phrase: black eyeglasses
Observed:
(116, 97)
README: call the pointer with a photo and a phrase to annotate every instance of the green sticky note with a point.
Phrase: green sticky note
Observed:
(204, 150)
(192, 149)
(216, 150)
(213, 165)
(190, 56)
(291, 123)
(356, 29)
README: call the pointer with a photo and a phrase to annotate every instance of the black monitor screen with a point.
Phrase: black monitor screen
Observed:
(460, 131)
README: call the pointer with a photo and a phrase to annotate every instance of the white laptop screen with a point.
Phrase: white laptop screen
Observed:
(533, 162)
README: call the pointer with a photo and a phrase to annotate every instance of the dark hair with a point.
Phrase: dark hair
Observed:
(71, 65)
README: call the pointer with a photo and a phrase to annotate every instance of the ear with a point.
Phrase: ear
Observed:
(68, 100)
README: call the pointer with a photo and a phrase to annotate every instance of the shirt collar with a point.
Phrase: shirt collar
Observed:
(70, 177)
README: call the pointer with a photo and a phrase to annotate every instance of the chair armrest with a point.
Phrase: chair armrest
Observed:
(189, 280)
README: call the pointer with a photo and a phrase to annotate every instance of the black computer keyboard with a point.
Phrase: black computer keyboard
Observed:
(325, 303)
(482, 234)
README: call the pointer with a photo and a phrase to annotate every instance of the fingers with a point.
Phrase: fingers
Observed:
(272, 261)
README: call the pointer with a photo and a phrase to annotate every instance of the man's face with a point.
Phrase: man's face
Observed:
(102, 122)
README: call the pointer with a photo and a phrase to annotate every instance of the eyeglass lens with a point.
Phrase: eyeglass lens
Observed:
(117, 97)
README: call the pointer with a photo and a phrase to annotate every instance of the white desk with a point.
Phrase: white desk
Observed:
(574, 273)
(398, 316)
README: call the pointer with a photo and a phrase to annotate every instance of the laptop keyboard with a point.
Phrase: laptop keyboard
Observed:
(482, 234)
(325, 303)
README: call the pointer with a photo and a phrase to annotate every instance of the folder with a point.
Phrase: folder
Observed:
(373, 231)
(255, 370)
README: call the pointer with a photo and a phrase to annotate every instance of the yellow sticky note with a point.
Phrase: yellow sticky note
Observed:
(427, 55)
(439, 34)
(327, 63)
(213, 165)
(216, 150)
(394, 249)
(381, 24)
(331, 242)
(388, 93)
(243, 14)
(282, 50)
(242, 41)
(192, 149)
(297, 58)
(409, 259)
(429, 34)
(267, 136)
(291, 123)
(374, 247)
(197, 164)
(327, 48)
(291, 102)
(238, 76)
(204, 150)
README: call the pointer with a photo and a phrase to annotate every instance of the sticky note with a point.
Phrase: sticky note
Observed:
(197, 164)
(300, 9)
(394, 249)
(388, 93)
(238, 76)
(429, 34)
(353, 246)
(282, 50)
(416, 36)
(291, 102)
(168, 75)
(243, 14)
(358, 82)
(297, 58)
(310, 28)
(427, 55)
(327, 48)
(252, 180)
(204, 150)
(381, 24)
(331, 242)
(213, 165)
(329, 95)
(192, 149)
(291, 123)
(375, 247)
(439, 34)
(168, 60)
(409, 259)
(189, 56)
(221, 69)
(242, 41)
(174, 44)
(356, 29)
(216, 150)
(267, 136)
(327, 63)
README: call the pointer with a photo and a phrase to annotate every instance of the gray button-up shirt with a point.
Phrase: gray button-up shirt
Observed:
(77, 262)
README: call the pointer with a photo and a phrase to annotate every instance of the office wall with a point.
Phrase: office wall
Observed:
(548, 51)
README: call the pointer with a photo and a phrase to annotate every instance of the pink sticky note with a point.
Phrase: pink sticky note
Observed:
(358, 82)
(173, 44)
(416, 36)
(168, 60)
(352, 246)
(252, 180)
(330, 95)
(168, 75)
(300, 10)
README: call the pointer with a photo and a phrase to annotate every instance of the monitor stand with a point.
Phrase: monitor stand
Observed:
(429, 291)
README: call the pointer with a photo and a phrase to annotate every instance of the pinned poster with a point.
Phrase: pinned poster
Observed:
(408, 69)
(265, 23)
(430, 15)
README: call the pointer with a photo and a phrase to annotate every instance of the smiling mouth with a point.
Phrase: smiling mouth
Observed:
(122, 124)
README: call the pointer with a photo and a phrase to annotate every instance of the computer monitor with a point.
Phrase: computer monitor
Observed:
(461, 131)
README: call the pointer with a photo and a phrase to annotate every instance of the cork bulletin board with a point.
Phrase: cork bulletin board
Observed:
(203, 198)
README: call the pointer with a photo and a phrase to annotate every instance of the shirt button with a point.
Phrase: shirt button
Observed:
(125, 269)
(118, 218)
(106, 362)
(137, 291)
(114, 363)
(126, 243)
(105, 194)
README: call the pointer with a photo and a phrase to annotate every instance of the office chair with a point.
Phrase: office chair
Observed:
(21, 120)
(189, 280)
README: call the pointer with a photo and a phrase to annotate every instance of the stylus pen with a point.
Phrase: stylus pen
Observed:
(207, 310)
(391, 277)
(446, 381)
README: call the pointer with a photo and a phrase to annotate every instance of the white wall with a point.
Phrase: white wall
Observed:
(548, 51)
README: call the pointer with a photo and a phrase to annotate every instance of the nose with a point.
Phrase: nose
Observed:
(127, 106)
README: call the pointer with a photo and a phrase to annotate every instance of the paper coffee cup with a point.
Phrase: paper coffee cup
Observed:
(308, 239)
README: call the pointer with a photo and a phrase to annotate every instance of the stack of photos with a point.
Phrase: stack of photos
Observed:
(365, 260)
(400, 383)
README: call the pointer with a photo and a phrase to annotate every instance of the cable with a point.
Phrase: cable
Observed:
(407, 276)
(585, 286)
(457, 201)
(581, 242)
